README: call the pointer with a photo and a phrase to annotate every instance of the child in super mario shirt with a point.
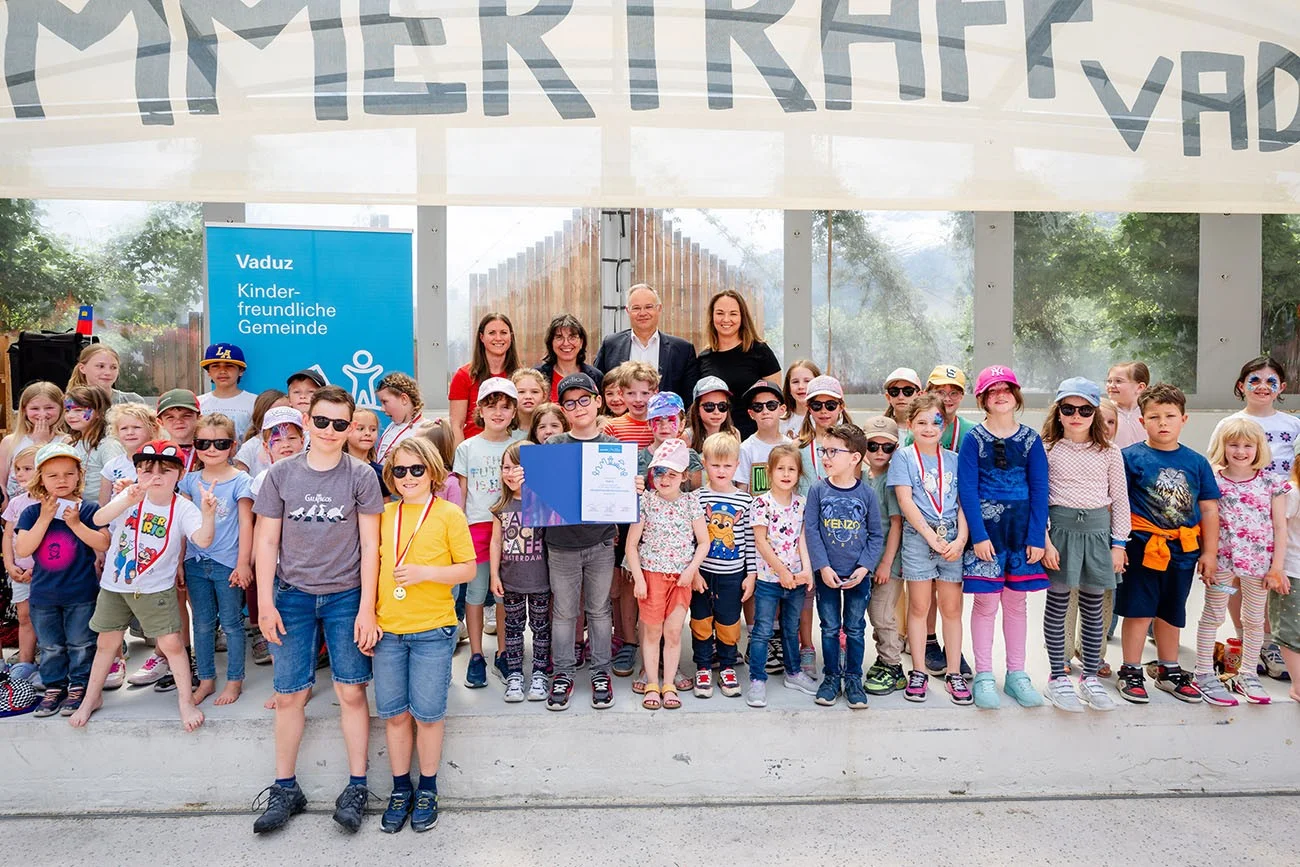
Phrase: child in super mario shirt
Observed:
(149, 523)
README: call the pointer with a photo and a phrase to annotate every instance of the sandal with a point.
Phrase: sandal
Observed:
(639, 685)
(652, 700)
(683, 682)
(673, 702)
(1104, 671)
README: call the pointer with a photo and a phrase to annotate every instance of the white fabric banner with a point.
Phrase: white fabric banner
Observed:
(883, 104)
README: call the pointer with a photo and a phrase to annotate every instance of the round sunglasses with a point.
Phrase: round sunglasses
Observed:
(762, 405)
(904, 390)
(819, 405)
(715, 406)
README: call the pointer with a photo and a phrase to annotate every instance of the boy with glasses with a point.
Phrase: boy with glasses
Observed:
(316, 555)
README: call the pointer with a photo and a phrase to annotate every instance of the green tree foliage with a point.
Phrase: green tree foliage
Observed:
(154, 271)
(1281, 319)
(42, 280)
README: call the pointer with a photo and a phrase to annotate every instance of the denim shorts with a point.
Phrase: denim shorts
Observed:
(922, 563)
(413, 672)
(306, 617)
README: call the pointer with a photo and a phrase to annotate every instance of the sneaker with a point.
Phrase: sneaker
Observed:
(489, 620)
(221, 641)
(561, 690)
(984, 691)
(476, 673)
(116, 675)
(801, 682)
(397, 811)
(854, 693)
(958, 690)
(1094, 694)
(602, 690)
(462, 631)
(538, 689)
(1021, 688)
(729, 683)
(703, 683)
(879, 680)
(155, 668)
(1179, 684)
(936, 663)
(1272, 663)
(282, 803)
(350, 806)
(808, 661)
(424, 815)
(756, 695)
(166, 684)
(1213, 691)
(261, 652)
(514, 688)
(1245, 685)
(50, 702)
(1132, 684)
(917, 683)
(580, 655)
(625, 660)
(499, 667)
(829, 691)
(775, 658)
(900, 677)
(1061, 693)
(76, 694)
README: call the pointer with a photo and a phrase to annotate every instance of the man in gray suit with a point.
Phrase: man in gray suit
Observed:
(673, 357)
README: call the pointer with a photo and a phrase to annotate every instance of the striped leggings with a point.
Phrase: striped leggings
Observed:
(1073, 630)
(1253, 600)
(1092, 634)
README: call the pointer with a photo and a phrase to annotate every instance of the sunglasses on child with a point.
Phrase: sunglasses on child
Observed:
(1068, 409)
(222, 444)
(887, 448)
(716, 406)
(416, 470)
(904, 390)
(768, 405)
(819, 405)
(321, 422)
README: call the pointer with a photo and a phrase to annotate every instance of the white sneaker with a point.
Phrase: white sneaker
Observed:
(116, 675)
(1060, 692)
(540, 688)
(756, 696)
(1271, 662)
(801, 682)
(1095, 695)
(490, 620)
(155, 668)
(515, 687)
(462, 632)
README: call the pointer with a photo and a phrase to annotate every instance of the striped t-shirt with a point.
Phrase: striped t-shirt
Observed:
(731, 544)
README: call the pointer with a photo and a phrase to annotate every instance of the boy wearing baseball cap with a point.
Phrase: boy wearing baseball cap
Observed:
(224, 364)
(949, 382)
(301, 386)
(886, 673)
(764, 402)
(178, 413)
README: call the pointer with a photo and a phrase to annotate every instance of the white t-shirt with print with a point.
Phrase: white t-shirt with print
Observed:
(238, 409)
(159, 548)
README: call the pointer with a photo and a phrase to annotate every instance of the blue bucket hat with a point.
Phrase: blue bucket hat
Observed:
(665, 404)
(1077, 386)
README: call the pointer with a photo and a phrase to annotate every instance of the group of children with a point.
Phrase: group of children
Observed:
(174, 521)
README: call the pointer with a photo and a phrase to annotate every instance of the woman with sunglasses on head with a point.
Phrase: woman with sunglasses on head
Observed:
(826, 409)
(1002, 485)
(901, 386)
(1260, 384)
(1089, 520)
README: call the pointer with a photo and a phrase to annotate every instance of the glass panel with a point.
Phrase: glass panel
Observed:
(1281, 307)
(900, 293)
(139, 264)
(1095, 289)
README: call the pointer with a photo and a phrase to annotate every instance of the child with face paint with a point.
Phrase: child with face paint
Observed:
(281, 436)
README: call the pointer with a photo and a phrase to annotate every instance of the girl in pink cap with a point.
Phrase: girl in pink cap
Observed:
(1002, 486)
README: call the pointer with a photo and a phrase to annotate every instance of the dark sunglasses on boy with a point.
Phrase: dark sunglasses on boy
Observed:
(719, 406)
(768, 405)
(321, 422)
(887, 448)
(221, 444)
(416, 470)
(904, 390)
(819, 405)
(1070, 409)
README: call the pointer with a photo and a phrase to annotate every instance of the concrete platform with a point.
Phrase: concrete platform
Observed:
(135, 756)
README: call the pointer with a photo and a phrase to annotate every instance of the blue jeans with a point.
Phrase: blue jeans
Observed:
(212, 598)
(767, 596)
(845, 609)
(413, 672)
(306, 616)
(66, 641)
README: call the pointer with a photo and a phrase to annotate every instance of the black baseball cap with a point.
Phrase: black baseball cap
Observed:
(758, 388)
(576, 380)
(308, 373)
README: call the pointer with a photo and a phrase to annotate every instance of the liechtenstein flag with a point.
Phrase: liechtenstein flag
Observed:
(86, 320)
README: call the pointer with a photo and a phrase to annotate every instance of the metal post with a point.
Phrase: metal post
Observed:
(995, 248)
(1229, 304)
(798, 285)
(431, 303)
(615, 269)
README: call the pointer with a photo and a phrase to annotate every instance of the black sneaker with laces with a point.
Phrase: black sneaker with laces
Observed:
(1178, 683)
(350, 806)
(602, 690)
(167, 683)
(561, 690)
(282, 803)
(1132, 684)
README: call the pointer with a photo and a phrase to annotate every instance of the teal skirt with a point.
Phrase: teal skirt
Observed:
(1082, 539)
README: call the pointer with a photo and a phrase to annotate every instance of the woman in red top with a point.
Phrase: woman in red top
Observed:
(494, 355)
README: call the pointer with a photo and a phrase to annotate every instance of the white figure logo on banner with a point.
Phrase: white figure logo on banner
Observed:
(363, 369)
